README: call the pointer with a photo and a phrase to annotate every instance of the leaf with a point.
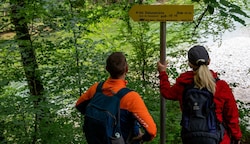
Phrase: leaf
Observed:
(225, 3)
(210, 9)
(212, 1)
(206, 1)
(223, 13)
(238, 20)
(222, 8)
(234, 6)
(239, 11)
(3, 82)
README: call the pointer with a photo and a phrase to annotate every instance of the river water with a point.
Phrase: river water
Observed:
(231, 59)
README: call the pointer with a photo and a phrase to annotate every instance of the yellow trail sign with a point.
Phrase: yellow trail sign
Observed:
(162, 13)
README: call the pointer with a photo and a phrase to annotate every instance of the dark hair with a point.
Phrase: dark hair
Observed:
(116, 64)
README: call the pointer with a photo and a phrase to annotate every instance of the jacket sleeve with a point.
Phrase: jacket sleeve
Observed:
(135, 104)
(167, 91)
(230, 113)
(84, 99)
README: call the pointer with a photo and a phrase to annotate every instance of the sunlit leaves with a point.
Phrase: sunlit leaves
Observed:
(227, 9)
(72, 40)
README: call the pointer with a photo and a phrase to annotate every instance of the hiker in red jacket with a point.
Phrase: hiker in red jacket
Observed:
(225, 105)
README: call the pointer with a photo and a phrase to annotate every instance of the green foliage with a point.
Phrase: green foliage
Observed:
(143, 40)
(71, 40)
(173, 118)
(18, 121)
(227, 8)
(244, 111)
(11, 69)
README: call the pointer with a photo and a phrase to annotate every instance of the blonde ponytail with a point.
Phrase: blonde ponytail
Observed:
(204, 79)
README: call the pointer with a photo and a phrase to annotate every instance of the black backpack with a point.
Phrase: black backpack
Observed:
(199, 122)
(102, 118)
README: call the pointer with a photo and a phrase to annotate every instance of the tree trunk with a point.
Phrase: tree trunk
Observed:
(28, 58)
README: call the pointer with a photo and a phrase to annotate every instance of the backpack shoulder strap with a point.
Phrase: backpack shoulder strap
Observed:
(122, 92)
(99, 87)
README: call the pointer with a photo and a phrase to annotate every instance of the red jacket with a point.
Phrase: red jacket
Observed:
(226, 108)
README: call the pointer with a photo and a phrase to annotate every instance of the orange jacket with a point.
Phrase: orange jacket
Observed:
(131, 102)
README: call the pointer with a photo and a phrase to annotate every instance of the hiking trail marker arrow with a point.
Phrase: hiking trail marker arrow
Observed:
(162, 13)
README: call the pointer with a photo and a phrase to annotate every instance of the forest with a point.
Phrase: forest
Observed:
(51, 51)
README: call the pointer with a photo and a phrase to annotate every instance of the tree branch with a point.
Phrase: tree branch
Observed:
(200, 18)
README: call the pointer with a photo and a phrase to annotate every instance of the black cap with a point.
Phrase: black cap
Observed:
(198, 55)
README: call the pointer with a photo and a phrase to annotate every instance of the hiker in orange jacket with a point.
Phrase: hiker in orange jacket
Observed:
(225, 105)
(132, 105)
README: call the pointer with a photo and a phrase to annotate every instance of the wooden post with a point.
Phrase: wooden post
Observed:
(162, 13)
(163, 103)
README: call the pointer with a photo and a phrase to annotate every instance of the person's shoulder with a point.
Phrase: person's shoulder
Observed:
(132, 95)
(94, 86)
(186, 77)
(92, 89)
(223, 88)
(187, 74)
(221, 82)
(130, 100)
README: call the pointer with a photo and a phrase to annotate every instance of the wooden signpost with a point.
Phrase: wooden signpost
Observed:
(162, 13)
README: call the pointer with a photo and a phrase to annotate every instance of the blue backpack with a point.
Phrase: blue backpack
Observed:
(199, 122)
(102, 118)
